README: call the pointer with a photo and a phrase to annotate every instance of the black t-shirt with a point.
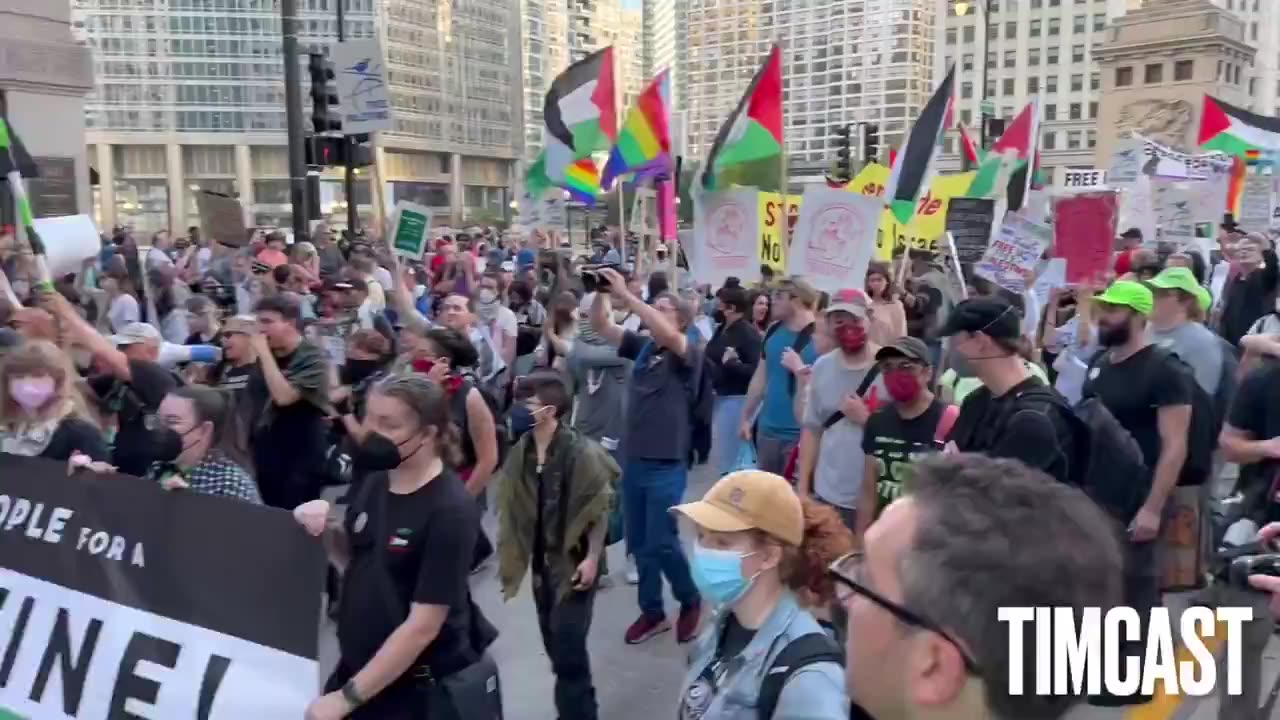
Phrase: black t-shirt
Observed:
(413, 548)
(1247, 298)
(289, 441)
(896, 442)
(733, 378)
(1135, 389)
(1256, 411)
(659, 422)
(77, 435)
(1018, 427)
(133, 402)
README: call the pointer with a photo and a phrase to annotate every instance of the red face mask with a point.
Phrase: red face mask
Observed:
(851, 338)
(903, 385)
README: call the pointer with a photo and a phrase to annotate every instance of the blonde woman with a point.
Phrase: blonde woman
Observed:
(42, 413)
(306, 262)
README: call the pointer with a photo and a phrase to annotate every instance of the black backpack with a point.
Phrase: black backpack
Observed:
(1206, 422)
(501, 424)
(797, 655)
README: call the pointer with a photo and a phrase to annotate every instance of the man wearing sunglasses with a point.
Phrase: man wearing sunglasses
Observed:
(923, 595)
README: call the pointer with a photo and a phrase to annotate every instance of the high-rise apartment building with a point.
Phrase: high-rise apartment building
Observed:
(870, 61)
(190, 95)
(1045, 48)
(661, 43)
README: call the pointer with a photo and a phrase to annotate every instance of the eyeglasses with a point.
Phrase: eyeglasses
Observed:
(890, 366)
(847, 574)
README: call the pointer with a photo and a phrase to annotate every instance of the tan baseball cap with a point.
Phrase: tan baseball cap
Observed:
(749, 500)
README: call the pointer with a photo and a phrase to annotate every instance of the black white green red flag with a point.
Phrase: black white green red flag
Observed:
(913, 165)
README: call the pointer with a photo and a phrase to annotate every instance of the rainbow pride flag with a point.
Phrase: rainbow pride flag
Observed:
(644, 141)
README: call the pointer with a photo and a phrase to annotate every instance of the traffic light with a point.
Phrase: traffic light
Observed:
(995, 128)
(844, 152)
(324, 94)
(325, 151)
(359, 154)
(870, 142)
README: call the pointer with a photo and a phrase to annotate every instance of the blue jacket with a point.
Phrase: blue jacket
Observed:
(815, 692)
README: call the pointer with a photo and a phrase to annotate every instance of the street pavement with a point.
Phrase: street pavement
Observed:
(642, 682)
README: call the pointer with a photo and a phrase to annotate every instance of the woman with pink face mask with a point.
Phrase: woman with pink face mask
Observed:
(42, 413)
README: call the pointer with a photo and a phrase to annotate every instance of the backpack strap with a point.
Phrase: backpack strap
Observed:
(863, 387)
(798, 654)
(802, 339)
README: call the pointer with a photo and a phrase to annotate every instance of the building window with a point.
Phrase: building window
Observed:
(951, 36)
(1054, 3)
(1008, 86)
(1050, 112)
(1033, 85)
(1099, 23)
(1035, 28)
(1010, 58)
(1077, 53)
(1253, 31)
(966, 90)
(1236, 76)
(1073, 139)
(1051, 84)
(1035, 4)
(1049, 141)
(1051, 56)
(1077, 83)
(1011, 30)
(1055, 25)
(1153, 74)
(1033, 56)
(1124, 76)
(1095, 81)
(1093, 109)
(1078, 24)
(1090, 138)
(966, 62)
(968, 33)
(1073, 112)
(1183, 69)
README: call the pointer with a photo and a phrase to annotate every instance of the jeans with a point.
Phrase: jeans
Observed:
(772, 453)
(650, 488)
(565, 623)
(726, 443)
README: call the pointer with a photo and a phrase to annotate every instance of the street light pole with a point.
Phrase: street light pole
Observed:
(348, 143)
(986, 58)
(293, 116)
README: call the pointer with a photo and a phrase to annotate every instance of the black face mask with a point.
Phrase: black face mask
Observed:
(166, 444)
(357, 371)
(379, 453)
(718, 317)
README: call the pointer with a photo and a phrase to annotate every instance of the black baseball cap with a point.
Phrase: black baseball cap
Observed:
(1132, 233)
(991, 316)
(905, 347)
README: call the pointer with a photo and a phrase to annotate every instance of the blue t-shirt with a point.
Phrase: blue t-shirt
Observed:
(526, 258)
(778, 417)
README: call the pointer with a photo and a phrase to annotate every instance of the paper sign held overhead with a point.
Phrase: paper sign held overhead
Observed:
(725, 237)
(969, 222)
(1126, 162)
(1014, 253)
(834, 238)
(362, 86)
(410, 230)
(1084, 230)
(1256, 203)
(67, 242)
(222, 219)
(1077, 179)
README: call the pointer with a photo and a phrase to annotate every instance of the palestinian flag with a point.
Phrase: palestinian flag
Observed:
(1010, 157)
(914, 162)
(1236, 131)
(580, 118)
(753, 131)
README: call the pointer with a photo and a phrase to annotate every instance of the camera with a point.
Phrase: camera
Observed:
(591, 278)
(1238, 556)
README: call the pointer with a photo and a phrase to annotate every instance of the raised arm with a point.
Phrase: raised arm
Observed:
(660, 329)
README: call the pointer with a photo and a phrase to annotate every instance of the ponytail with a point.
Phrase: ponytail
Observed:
(826, 539)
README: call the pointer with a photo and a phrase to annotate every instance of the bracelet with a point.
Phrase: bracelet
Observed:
(351, 695)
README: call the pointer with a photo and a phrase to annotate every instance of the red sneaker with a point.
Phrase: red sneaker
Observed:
(646, 627)
(687, 623)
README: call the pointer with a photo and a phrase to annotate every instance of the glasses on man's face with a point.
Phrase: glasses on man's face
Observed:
(903, 366)
(849, 576)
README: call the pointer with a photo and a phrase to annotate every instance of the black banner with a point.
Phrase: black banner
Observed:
(969, 222)
(117, 595)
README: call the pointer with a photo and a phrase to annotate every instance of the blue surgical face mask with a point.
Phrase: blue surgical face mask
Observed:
(718, 574)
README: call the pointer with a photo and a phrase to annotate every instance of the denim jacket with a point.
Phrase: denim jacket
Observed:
(815, 692)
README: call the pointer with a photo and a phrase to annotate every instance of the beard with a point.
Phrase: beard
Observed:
(1113, 336)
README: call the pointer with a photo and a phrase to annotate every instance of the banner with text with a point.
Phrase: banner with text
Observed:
(969, 221)
(1015, 253)
(773, 243)
(1175, 213)
(929, 223)
(120, 599)
(1084, 233)
(725, 237)
(1255, 203)
(1127, 160)
(1077, 179)
(834, 238)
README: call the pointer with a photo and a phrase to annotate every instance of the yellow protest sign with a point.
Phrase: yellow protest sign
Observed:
(773, 249)
(930, 220)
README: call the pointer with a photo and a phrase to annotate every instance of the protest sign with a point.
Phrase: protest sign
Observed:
(221, 218)
(726, 237)
(362, 86)
(969, 222)
(67, 241)
(951, 264)
(552, 212)
(411, 230)
(834, 238)
(1255, 203)
(1036, 207)
(929, 223)
(120, 599)
(1126, 162)
(1174, 214)
(1137, 210)
(1084, 229)
(773, 246)
(1076, 179)
(1053, 274)
(1014, 253)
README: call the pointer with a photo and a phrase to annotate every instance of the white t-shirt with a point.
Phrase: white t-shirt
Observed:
(383, 276)
(124, 310)
(158, 258)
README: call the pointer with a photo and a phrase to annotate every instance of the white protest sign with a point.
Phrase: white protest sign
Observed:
(1014, 254)
(410, 230)
(1126, 162)
(1053, 274)
(1036, 207)
(68, 240)
(362, 86)
(726, 237)
(1256, 203)
(1174, 214)
(1137, 209)
(1209, 196)
(551, 211)
(1074, 179)
(834, 237)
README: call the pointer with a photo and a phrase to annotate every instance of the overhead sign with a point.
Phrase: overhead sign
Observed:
(1084, 232)
(363, 99)
(1255, 203)
(116, 602)
(1079, 179)
(834, 238)
(222, 219)
(773, 243)
(969, 221)
(726, 237)
(1014, 254)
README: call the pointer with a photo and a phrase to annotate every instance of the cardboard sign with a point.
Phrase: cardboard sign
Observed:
(68, 241)
(1175, 214)
(834, 238)
(222, 219)
(1014, 254)
(969, 222)
(116, 582)
(1255, 203)
(726, 237)
(773, 245)
(362, 86)
(1073, 179)
(1084, 230)
(411, 230)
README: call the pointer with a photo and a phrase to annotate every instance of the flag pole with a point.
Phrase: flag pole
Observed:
(622, 223)
(785, 186)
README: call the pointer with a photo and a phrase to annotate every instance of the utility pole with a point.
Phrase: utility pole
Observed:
(348, 144)
(293, 115)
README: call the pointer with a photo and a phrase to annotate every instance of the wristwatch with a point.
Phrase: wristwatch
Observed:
(351, 695)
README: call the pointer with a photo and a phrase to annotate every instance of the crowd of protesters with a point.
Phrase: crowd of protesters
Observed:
(871, 442)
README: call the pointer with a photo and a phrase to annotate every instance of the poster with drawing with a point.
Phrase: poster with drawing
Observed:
(835, 237)
(1013, 255)
(1175, 213)
(726, 237)
(1137, 210)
